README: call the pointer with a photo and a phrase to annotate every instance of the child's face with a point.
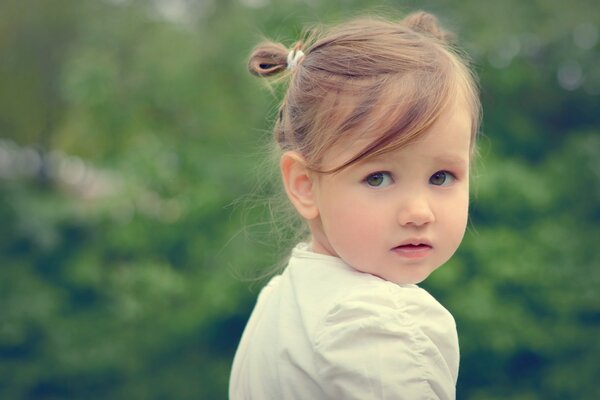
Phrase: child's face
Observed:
(401, 215)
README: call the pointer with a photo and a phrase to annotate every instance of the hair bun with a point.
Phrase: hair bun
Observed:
(268, 58)
(428, 24)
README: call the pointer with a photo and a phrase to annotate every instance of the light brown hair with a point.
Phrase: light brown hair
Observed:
(366, 75)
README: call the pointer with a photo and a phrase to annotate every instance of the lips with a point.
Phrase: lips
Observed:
(413, 249)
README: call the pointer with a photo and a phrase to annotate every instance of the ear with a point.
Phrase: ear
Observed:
(298, 184)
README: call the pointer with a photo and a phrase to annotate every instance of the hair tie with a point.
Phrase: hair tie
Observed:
(294, 57)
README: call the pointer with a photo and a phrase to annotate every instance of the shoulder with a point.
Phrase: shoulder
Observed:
(395, 337)
(389, 305)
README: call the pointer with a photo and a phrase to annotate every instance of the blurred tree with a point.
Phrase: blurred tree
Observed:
(34, 41)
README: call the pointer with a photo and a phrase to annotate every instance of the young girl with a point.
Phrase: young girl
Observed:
(376, 133)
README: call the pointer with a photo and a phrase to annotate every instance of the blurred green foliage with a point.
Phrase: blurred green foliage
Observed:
(130, 130)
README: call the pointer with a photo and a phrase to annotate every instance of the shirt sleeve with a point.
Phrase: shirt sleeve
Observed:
(378, 346)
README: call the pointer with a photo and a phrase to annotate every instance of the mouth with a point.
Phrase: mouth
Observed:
(413, 249)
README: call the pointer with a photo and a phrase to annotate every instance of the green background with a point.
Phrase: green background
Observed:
(134, 213)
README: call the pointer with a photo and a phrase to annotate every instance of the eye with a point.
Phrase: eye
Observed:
(378, 179)
(442, 178)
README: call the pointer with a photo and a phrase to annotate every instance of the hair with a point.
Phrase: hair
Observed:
(366, 75)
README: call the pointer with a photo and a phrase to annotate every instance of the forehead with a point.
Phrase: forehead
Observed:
(447, 136)
(394, 121)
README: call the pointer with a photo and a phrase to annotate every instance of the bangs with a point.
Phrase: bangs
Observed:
(394, 111)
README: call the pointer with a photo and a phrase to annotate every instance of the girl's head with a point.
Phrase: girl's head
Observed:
(376, 131)
(368, 75)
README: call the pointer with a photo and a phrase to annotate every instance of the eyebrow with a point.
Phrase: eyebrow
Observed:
(445, 159)
(451, 159)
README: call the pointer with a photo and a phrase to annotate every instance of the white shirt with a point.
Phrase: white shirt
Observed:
(322, 330)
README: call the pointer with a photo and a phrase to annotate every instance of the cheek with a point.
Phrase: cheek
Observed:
(348, 222)
(457, 214)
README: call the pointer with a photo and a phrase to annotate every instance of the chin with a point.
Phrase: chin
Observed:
(412, 279)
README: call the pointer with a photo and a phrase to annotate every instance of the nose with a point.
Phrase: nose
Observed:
(415, 211)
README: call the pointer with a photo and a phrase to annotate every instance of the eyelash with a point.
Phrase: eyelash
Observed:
(381, 175)
(446, 174)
